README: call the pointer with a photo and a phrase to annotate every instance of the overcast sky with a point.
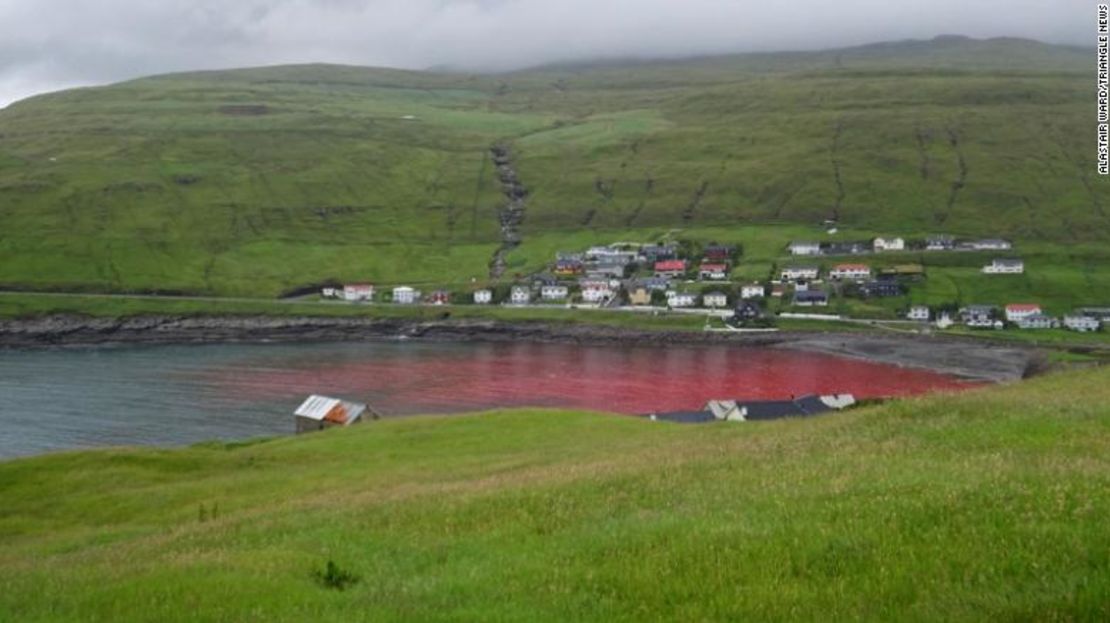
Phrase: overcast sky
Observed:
(52, 44)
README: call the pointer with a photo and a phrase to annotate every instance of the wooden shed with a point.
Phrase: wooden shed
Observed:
(320, 412)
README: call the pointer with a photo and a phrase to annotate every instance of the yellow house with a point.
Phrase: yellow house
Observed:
(639, 296)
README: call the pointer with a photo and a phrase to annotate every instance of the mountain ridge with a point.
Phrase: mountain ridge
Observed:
(262, 180)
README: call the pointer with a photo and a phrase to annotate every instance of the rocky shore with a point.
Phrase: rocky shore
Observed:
(966, 358)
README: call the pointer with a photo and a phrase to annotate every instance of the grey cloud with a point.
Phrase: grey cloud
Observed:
(48, 44)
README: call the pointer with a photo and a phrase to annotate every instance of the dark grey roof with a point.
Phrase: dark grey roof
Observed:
(811, 295)
(777, 409)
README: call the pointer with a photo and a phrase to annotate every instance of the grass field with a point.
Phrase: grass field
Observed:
(254, 182)
(988, 505)
(23, 305)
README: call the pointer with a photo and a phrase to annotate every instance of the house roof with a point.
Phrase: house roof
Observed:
(1029, 307)
(777, 409)
(813, 295)
(671, 265)
(852, 267)
(711, 266)
(323, 408)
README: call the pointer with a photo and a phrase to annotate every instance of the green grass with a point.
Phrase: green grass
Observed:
(157, 184)
(988, 505)
(32, 305)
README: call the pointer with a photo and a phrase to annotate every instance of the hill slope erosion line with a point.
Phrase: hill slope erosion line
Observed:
(511, 215)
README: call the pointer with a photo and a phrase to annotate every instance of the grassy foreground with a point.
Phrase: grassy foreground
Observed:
(986, 505)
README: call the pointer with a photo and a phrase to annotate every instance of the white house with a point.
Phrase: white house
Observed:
(944, 321)
(980, 317)
(888, 244)
(793, 273)
(1016, 312)
(713, 271)
(715, 299)
(358, 292)
(681, 299)
(991, 244)
(979, 322)
(850, 271)
(1005, 267)
(520, 295)
(940, 243)
(804, 248)
(918, 312)
(1038, 321)
(596, 290)
(330, 293)
(1083, 324)
(554, 293)
(752, 291)
(483, 297)
(404, 295)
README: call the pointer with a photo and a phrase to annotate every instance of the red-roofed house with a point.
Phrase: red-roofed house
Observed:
(358, 292)
(850, 271)
(713, 271)
(1020, 311)
(670, 268)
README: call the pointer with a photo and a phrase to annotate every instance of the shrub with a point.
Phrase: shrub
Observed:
(334, 577)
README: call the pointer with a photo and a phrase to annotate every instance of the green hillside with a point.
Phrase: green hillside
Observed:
(253, 182)
(989, 505)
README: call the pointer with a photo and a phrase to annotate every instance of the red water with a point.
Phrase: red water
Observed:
(400, 378)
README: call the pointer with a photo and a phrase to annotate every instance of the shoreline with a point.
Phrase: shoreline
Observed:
(965, 358)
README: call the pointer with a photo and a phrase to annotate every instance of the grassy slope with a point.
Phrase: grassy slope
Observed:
(987, 505)
(151, 184)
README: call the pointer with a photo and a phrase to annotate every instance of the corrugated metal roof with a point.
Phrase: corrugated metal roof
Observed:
(321, 408)
(316, 407)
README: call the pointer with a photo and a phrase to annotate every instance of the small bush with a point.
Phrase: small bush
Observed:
(335, 578)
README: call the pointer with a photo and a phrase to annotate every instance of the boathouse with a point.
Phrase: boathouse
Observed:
(320, 412)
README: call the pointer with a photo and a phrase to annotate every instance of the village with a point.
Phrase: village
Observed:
(689, 277)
